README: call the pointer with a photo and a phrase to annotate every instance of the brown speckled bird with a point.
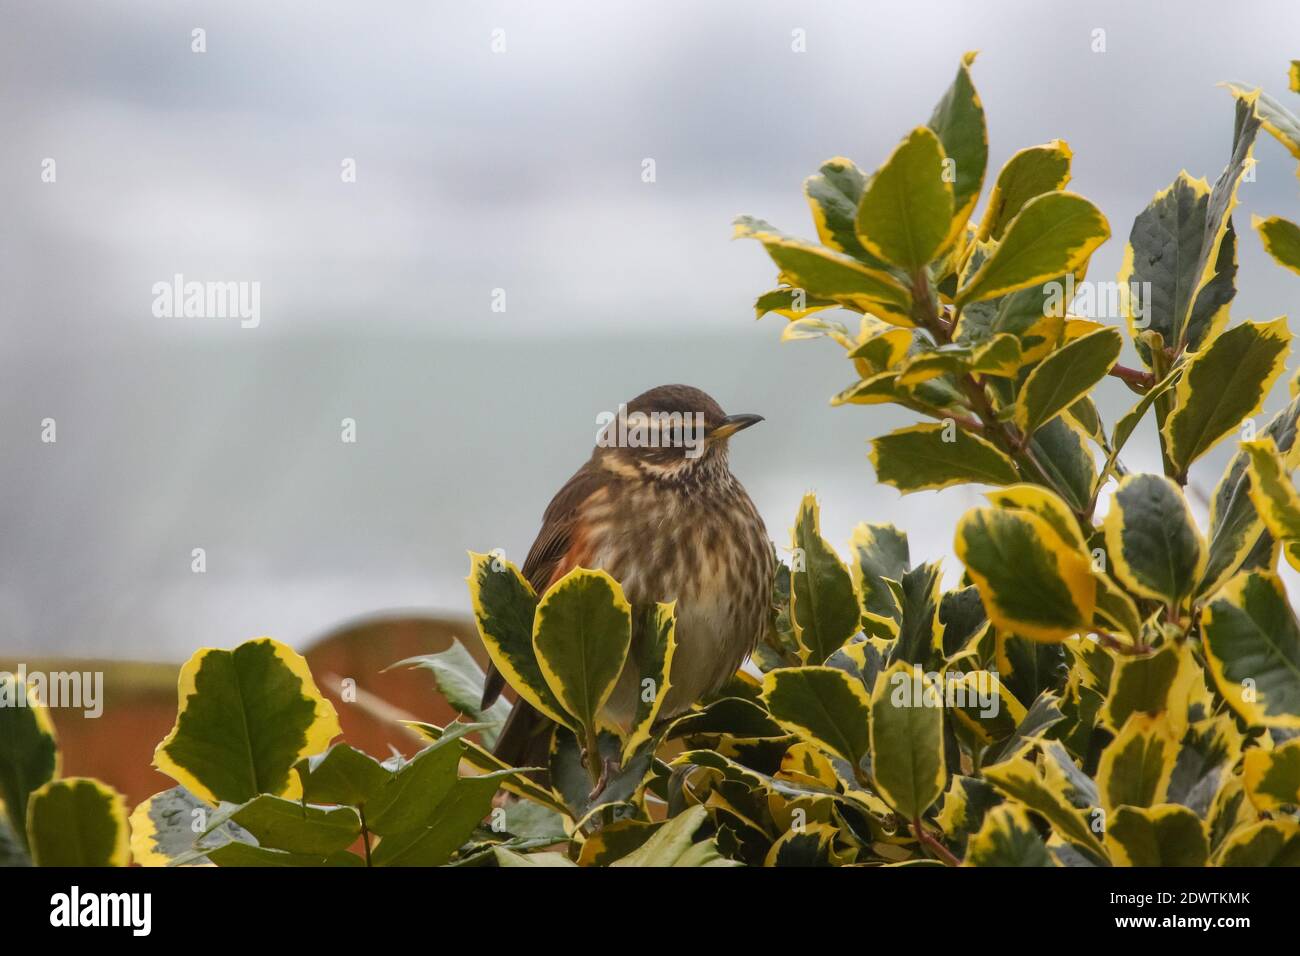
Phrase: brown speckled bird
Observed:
(669, 524)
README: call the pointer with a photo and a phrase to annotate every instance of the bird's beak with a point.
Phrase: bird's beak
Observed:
(732, 424)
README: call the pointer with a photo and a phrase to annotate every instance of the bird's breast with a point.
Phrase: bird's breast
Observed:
(707, 552)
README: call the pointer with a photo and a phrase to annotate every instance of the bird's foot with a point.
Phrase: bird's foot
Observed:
(608, 768)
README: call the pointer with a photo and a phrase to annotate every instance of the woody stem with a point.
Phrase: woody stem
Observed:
(1134, 378)
(926, 839)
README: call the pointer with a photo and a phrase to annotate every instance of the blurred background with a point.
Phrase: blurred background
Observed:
(497, 146)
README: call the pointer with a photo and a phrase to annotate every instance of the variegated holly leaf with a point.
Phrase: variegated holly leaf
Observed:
(1272, 777)
(1136, 766)
(672, 845)
(1229, 812)
(1165, 256)
(876, 389)
(810, 845)
(1031, 725)
(1065, 376)
(824, 706)
(1281, 239)
(937, 455)
(1154, 546)
(77, 822)
(581, 636)
(1028, 667)
(985, 712)
(961, 612)
(163, 830)
(965, 804)
(880, 555)
(1061, 447)
(831, 275)
(1032, 581)
(505, 606)
(958, 121)
(879, 346)
(823, 603)
(1215, 255)
(614, 840)
(1276, 119)
(906, 209)
(833, 194)
(920, 640)
(1271, 491)
(653, 656)
(1224, 383)
(1007, 838)
(245, 718)
(862, 659)
(1053, 234)
(29, 752)
(1039, 501)
(1029, 173)
(811, 327)
(1164, 835)
(1035, 316)
(1157, 683)
(999, 356)
(791, 303)
(1207, 755)
(1021, 781)
(907, 739)
(1237, 532)
(730, 716)
(1252, 646)
(1268, 843)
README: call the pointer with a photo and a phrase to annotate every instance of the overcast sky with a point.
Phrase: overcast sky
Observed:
(479, 170)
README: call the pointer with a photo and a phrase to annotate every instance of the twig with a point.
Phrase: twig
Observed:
(1134, 378)
(1121, 647)
(927, 840)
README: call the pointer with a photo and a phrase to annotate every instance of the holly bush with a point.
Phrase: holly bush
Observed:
(1122, 690)
(1096, 690)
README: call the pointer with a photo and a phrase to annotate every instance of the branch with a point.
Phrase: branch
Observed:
(1134, 378)
(970, 424)
(927, 839)
(1122, 647)
(1000, 432)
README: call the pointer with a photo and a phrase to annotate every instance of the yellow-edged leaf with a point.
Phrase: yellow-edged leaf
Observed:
(907, 206)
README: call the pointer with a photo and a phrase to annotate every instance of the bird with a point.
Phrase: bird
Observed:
(658, 509)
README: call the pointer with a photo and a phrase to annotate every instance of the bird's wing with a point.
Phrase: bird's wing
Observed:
(556, 548)
(560, 531)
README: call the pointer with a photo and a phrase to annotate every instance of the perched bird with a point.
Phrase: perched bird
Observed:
(657, 508)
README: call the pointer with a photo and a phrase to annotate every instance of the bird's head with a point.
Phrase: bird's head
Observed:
(670, 430)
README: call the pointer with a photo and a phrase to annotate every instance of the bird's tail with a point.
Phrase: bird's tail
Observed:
(525, 739)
